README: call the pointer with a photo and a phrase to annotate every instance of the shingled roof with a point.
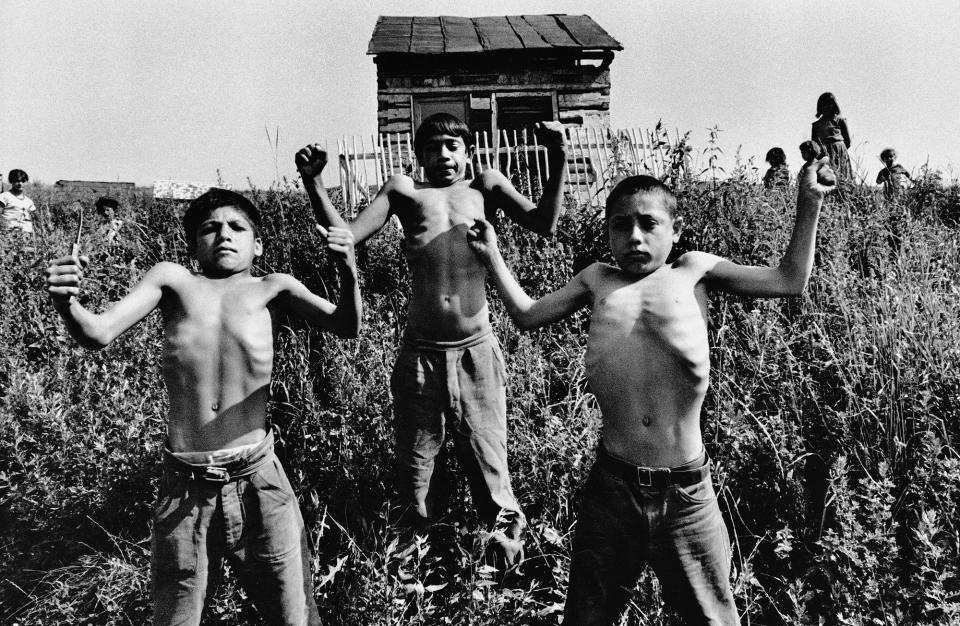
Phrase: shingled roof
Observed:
(442, 34)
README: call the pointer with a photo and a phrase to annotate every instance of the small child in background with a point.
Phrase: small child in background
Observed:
(17, 207)
(106, 208)
(779, 173)
(893, 176)
(830, 131)
(809, 151)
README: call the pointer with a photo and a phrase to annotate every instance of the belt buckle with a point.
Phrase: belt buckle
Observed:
(650, 472)
(216, 474)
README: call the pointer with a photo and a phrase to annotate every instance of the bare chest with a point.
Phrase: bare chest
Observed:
(205, 317)
(663, 314)
(436, 222)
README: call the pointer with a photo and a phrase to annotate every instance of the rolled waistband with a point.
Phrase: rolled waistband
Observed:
(227, 472)
(659, 477)
(460, 344)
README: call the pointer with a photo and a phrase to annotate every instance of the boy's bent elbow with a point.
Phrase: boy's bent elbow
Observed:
(524, 322)
(93, 343)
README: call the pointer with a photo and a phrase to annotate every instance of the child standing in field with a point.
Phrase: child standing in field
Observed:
(449, 375)
(894, 177)
(225, 494)
(778, 175)
(649, 497)
(830, 131)
(17, 208)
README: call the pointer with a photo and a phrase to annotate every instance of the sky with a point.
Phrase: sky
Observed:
(187, 90)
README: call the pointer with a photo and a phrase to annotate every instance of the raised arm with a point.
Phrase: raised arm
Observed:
(526, 312)
(790, 277)
(310, 163)
(542, 217)
(93, 331)
(342, 319)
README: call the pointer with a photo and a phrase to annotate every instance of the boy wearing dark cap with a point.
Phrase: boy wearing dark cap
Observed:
(224, 494)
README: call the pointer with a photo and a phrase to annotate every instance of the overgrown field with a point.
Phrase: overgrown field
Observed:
(833, 419)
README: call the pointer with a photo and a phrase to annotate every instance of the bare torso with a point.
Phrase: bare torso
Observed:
(648, 362)
(217, 359)
(448, 300)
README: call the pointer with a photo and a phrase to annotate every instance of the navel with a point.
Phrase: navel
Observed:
(646, 420)
(216, 406)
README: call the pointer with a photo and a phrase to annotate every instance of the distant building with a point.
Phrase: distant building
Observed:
(182, 189)
(96, 187)
(495, 73)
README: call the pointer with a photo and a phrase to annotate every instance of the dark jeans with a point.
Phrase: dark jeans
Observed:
(677, 530)
(253, 521)
(456, 390)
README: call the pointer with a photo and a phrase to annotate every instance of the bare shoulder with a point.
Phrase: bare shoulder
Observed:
(490, 179)
(166, 273)
(400, 183)
(697, 262)
(598, 274)
(281, 282)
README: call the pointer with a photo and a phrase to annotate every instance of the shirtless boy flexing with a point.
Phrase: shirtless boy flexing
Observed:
(449, 373)
(649, 496)
(225, 493)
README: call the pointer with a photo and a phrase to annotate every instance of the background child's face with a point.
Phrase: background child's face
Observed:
(444, 159)
(642, 232)
(889, 159)
(227, 242)
(807, 154)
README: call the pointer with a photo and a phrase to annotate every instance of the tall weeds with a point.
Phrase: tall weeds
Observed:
(833, 419)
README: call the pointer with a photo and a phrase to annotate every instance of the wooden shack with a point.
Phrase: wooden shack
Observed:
(495, 73)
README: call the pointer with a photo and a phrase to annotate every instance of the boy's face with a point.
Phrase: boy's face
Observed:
(807, 154)
(444, 159)
(227, 242)
(16, 185)
(889, 159)
(642, 232)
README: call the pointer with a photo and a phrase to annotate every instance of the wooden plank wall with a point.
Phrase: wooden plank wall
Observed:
(583, 94)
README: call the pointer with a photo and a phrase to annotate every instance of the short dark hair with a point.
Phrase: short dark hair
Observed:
(888, 152)
(17, 176)
(106, 202)
(827, 104)
(813, 146)
(441, 124)
(776, 156)
(633, 185)
(212, 199)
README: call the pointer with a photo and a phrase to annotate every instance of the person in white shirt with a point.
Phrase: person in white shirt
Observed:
(16, 207)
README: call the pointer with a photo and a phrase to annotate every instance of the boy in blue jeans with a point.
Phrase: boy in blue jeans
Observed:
(449, 375)
(649, 497)
(225, 494)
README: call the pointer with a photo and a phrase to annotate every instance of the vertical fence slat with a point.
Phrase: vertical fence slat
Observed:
(536, 159)
(653, 154)
(414, 166)
(526, 159)
(478, 156)
(344, 195)
(584, 187)
(376, 161)
(602, 171)
(506, 142)
(356, 166)
(601, 151)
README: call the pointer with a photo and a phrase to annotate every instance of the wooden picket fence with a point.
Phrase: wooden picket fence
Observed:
(596, 158)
